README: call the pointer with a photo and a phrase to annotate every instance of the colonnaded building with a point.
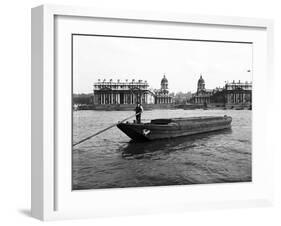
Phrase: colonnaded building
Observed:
(232, 94)
(130, 92)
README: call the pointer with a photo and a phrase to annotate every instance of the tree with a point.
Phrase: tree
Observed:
(82, 98)
(182, 98)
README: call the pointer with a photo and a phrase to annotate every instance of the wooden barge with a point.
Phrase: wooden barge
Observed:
(174, 127)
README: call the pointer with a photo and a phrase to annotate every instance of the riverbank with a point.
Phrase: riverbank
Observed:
(131, 107)
(124, 107)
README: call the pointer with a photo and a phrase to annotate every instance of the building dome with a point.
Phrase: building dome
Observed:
(164, 83)
(201, 80)
(200, 84)
(164, 80)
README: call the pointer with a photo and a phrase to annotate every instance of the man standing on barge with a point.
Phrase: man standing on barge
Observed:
(139, 111)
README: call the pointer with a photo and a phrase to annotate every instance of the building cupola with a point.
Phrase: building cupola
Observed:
(164, 83)
(201, 84)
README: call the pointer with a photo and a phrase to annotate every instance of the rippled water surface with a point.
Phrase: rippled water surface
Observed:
(110, 160)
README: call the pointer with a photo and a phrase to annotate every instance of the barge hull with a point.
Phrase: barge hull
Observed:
(149, 131)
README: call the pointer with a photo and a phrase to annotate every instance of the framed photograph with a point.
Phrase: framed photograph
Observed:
(141, 112)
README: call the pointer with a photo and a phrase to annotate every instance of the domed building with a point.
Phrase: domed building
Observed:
(203, 95)
(201, 84)
(162, 95)
(164, 84)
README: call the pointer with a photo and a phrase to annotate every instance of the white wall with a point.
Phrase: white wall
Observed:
(15, 110)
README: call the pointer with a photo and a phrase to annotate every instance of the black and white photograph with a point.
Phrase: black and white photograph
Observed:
(156, 111)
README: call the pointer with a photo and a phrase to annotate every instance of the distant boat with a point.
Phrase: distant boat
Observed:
(174, 127)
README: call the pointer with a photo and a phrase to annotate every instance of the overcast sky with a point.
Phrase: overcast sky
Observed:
(148, 59)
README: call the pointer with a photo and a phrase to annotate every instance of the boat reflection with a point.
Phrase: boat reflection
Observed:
(140, 150)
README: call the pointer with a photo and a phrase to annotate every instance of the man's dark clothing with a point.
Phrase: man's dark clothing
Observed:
(138, 111)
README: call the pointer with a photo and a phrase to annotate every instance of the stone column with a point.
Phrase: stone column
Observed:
(239, 98)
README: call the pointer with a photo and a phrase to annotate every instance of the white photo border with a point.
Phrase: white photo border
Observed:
(45, 160)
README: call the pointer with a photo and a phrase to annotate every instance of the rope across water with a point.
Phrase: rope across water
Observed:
(95, 134)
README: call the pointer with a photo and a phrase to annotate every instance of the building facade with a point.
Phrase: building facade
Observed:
(130, 92)
(232, 94)
(202, 95)
(238, 93)
(162, 95)
(122, 92)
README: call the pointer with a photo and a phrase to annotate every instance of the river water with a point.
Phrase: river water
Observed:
(110, 160)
